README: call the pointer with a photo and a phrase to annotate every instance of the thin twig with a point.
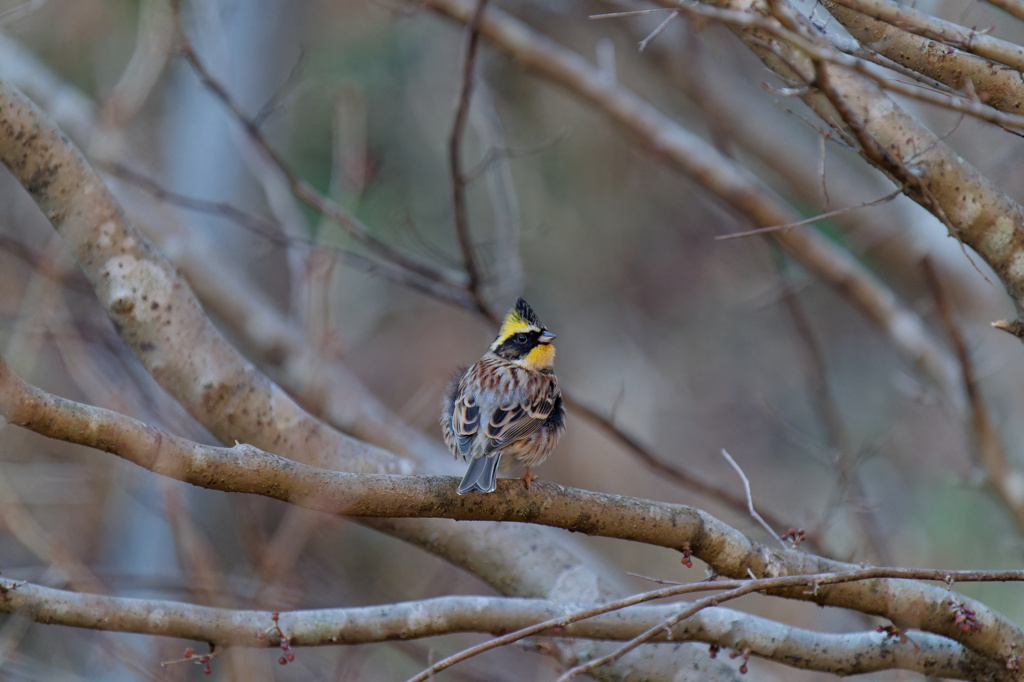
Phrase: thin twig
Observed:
(249, 221)
(823, 137)
(991, 452)
(732, 590)
(875, 152)
(642, 45)
(281, 95)
(631, 13)
(301, 188)
(750, 499)
(912, 185)
(808, 221)
(270, 231)
(632, 644)
(831, 415)
(680, 476)
(455, 160)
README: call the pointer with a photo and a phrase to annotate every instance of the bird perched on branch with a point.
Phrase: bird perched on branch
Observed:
(508, 403)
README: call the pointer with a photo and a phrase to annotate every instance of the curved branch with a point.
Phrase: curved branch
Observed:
(1001, 88)
(979, 214)
(244, 468)
(459, 180)
(843, 653)
(300, 188)
(969, 39)
(155, 311)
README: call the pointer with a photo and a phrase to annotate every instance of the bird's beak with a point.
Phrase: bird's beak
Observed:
(546, 337)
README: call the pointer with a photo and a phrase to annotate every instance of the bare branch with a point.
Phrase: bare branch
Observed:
(270, 232)
(847, 474)
(1002, 476)
(937, 175)
(915, 21)
(851, 653)
(469, 258)
(154, 308)
(668, 629)
(660, 466)
(750, 498)
(811, 46)
(302, 189)
(246, 469)
(642, 45)
(999, 88)
(810, 221)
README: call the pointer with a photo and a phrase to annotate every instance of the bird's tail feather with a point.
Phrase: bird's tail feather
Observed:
(481, 476)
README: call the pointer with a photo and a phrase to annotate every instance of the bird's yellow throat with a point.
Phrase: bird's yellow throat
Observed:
(541, 357)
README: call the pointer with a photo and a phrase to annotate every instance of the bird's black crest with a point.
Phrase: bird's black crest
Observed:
(523, 309)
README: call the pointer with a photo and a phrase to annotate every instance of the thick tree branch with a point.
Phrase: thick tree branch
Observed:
(154, 309)
(1000, 88)
(846, 653)
(981, 215)
(961, 37)
(244, 468)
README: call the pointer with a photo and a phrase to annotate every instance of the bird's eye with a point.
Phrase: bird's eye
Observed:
(521, 338)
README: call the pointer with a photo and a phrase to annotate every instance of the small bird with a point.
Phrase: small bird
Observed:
(508, 403)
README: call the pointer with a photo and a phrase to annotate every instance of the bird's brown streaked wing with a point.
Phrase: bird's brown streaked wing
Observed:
(515, 422)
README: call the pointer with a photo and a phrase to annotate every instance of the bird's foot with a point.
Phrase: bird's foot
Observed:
(528, 478)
